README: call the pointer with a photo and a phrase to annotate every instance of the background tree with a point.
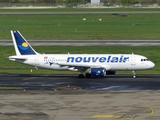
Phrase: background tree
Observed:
(5, 1)
(59, 1)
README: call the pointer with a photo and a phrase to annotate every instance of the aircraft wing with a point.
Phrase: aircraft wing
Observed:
(83, 67)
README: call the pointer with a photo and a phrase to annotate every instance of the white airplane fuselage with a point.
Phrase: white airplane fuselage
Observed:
(108, 61)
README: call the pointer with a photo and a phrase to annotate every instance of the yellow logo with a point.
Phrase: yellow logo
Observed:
(24, 44)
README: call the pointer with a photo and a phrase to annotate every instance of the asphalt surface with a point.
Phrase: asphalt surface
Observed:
(54, 105)
(114, 13)
(65, 97)
(86, 42)
(72, 82)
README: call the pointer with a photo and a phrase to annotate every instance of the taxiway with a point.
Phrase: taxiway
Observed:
(87, 42)
(52, 82)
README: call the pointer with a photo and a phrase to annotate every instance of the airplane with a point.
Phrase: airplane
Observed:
(93, 65)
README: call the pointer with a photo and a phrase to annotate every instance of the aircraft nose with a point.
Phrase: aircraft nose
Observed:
(151, 65)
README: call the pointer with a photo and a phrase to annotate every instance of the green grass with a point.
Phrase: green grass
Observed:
(6, 66)
(10, 88)
(112, 27)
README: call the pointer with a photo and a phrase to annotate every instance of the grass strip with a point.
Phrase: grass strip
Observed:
(10, 88)
(73, 27)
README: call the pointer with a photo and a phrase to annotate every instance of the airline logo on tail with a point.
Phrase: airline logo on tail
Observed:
(24, 46)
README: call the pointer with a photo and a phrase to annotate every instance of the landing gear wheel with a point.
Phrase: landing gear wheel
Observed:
(88, 75)
(134, 74)
(80, 76)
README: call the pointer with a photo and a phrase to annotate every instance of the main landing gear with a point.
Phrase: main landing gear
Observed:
(80, 76)
(134, 74)
(88, 75)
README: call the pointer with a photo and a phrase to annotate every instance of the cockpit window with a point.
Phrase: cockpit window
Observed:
(144, 60)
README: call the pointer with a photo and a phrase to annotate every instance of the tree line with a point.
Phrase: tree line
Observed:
(43, 1)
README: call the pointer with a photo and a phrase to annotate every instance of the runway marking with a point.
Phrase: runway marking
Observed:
(107, 88)
(107, 116)
(125, 116)
(31, 78)
(113, 116)
(152, 112)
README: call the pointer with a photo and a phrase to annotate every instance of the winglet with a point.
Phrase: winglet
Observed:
(22, 47)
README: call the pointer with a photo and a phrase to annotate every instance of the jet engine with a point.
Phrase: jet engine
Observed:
(96, 71)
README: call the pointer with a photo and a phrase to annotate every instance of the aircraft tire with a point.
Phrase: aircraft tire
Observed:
(88, 75)
(80, 76)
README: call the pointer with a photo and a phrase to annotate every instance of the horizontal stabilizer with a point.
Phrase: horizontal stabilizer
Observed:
(17, 58)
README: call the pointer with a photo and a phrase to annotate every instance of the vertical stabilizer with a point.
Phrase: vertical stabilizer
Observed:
(22, 47)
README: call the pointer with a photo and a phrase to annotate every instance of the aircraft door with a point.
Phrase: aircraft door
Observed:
(133, 60)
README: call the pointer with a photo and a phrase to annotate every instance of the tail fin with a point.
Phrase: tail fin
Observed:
(22, 47)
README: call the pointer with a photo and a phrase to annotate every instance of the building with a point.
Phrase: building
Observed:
(96, 2)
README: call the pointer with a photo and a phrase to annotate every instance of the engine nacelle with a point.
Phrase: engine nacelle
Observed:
(97, 71)
(110, 72)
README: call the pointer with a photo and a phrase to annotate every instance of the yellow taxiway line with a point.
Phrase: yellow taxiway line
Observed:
(107, 116)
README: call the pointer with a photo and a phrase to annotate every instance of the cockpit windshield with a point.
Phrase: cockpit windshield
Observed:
(144, 60)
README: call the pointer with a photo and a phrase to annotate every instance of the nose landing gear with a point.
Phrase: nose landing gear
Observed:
(134, 74)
